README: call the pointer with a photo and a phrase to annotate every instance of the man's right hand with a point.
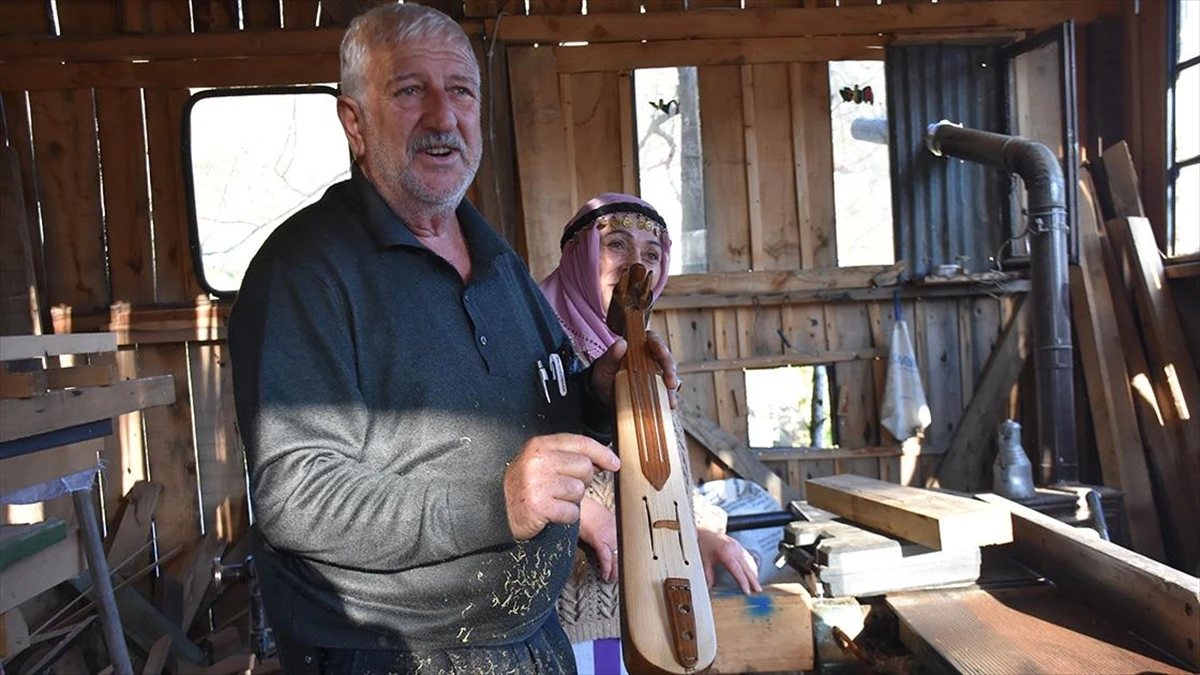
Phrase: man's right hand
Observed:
(545, 482)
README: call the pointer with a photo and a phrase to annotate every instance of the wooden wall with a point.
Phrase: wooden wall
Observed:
(93, 109)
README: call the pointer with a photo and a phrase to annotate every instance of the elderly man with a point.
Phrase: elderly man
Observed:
(415, 479)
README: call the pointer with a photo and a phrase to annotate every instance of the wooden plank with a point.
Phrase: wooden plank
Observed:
(25, 17)
(754, 186)
(555, 6)
(40, 572)
(18, 542)
(780, 241)
(1161, 328)
(218, 449)
(940, 371)
(213, 72)
(1154, 600)
(594, 122)
(261, 14)
(674, 53)
(35, 468)
(812, 150)
(962, 467)
(868, 20)
(96, 375)
(174, 271)
(1120, 448)
(14, 633)
(765, 632)
(21, 385)
(856, 422)
(629, 154)
(68, 178)
(733, 454)
(198, 576)
(815, 454)
(214, 16)
(20, 142)
(496, 179)
(133, 530)
(60, 409)
(783, 281)
(19, 307)
(787, 359)
(1123, 186)
(546, 176)
(1027, 630)
(172, 460)
(934, 519)
(300, 14)
(729, 385)
(723, 150)
(126, 195)
(15, 347)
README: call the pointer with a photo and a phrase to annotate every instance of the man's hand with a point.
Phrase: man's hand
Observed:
(545, 482)
(604, 369)
(598, 529)
(717, 547)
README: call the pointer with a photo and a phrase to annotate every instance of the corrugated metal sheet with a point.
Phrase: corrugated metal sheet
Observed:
(946, 210)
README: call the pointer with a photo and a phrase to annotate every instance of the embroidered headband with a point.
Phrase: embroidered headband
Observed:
(648, 219)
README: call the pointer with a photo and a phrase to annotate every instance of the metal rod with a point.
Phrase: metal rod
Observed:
(1042, 173)
(106, 600)
(756, 521)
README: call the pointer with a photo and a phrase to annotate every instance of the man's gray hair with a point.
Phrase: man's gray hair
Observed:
(391, 25)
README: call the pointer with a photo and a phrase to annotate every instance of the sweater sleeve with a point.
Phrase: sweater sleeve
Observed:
(304, 424)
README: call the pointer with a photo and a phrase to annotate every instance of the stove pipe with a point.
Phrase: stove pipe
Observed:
(1042, 174)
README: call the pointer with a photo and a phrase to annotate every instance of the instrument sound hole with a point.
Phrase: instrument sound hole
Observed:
(682, 549)
(650, 528)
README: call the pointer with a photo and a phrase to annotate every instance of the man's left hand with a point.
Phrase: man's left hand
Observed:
(604, 370)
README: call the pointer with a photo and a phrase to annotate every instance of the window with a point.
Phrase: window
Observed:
(667, 105)
(789, 407)
(1183, 138)
(858, 116)
(252, 158)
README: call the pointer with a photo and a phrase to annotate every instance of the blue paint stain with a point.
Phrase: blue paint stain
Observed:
(759, 606)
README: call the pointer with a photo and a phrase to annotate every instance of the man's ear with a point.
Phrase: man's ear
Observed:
(351, 115)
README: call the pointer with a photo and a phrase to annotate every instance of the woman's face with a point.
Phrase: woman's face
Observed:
(620, 247)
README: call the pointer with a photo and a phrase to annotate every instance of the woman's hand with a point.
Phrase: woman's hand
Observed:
(718, 547)
(604, 369)
(598, 529)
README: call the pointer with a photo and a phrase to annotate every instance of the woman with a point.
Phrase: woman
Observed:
(606, 236)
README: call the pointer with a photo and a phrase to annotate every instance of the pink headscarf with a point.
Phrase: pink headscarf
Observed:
(573, 288)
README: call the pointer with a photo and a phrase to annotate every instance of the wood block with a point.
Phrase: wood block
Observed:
(17, 347)
(64, 408)
(765, 632)
(35, 468)
(1158, 602)
(933, 519)
(31, 576)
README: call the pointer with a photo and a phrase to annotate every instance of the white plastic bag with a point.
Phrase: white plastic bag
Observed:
(905, 412)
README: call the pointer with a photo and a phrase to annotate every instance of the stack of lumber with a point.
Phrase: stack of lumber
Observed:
(58, 400)
(1142, 384)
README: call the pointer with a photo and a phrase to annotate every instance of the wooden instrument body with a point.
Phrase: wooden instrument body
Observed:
(658, 542)
(666, 614)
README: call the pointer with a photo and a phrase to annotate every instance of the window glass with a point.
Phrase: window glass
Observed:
(1187, 210)
(1187, 114)
(862, 187)
(253, 158)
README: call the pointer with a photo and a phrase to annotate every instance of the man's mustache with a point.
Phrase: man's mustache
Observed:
(438, 140)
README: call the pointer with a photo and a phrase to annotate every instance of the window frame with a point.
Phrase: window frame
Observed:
(1174, 68)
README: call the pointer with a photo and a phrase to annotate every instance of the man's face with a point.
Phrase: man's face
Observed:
(418, 125)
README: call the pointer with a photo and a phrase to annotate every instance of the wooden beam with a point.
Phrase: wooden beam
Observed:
(934, 519)
(64, 408)
(819, 454)
(784, 281)
(634, 55)
(35, 468)
(865, 20)
(1119, 445)
(765, 632)
(1158, 602)
(962, 466)
(150, 47)
(777, 360)
(1168, 353)
(49, 567)
(210, 72)
(826, 296)
(733, 454)
(15, 347)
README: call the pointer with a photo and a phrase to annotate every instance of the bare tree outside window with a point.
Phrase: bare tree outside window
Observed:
(671, 174)
(255, 159)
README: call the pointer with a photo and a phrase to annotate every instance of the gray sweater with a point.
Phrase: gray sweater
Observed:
(379, 399)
